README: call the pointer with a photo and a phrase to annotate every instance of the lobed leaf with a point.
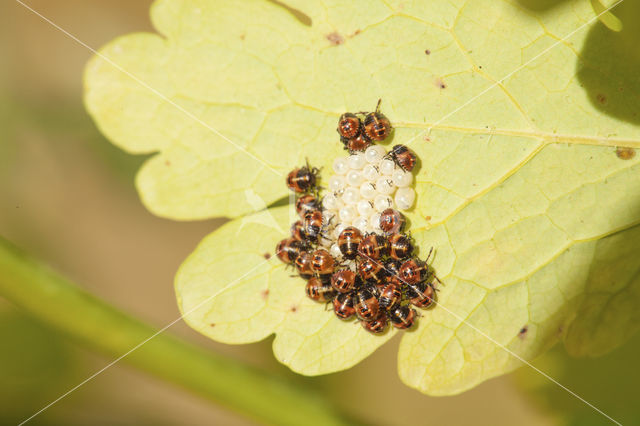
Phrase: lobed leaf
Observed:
(236, 295)
(528, 185)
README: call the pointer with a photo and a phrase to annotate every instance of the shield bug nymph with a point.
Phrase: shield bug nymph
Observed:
(373, 246)
(402, 316)
(319, 291)
(344, 280)
(366, 304)
(348, 242)
(306, 203)
(377, 325)
(288, 250)
(392, 221)
(349, 125)
(403, 157)
(322, 262)
(400, 246)
(343, 305)
(376, 126)
(302, 179)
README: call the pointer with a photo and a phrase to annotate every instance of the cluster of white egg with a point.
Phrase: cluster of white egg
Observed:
(365, 184)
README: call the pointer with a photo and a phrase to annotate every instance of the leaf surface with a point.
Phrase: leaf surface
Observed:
(236, 295)
(514, 114)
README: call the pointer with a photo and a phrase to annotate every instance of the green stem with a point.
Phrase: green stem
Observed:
(247, 390)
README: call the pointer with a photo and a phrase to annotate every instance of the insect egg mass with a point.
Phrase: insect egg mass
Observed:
(350, 243)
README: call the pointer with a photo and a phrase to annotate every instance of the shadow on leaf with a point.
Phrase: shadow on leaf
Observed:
(609, 67)
(616, 375)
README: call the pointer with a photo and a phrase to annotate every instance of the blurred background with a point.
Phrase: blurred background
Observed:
(67, 197)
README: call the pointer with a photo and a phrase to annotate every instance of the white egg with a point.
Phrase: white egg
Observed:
(405, 197)
(340, 165)
(374, 154)
(338, 229)
(401, 178)
(386, 167)
(365, 208)
(347, 214)
(351, 196)
(382, 202)
(328, 216)
(368, 191)
(370, 173)
(374, 222)
(362, 223)
(354, 178)
(385, 186)
(335, 251)
(336, 183)
(325, 242)
(357, 161)
(330, 201)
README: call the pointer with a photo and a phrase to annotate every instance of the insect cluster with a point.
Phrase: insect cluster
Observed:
(350, 245)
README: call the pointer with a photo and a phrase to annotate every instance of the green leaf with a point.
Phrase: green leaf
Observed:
(531, 207)
(605, 16)
(238, 296)
(553, 250)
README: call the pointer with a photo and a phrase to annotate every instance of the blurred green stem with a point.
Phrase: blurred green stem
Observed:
(247, 390)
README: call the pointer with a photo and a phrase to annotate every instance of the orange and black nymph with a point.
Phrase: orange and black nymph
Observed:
(349, 125)
(348, 242)
(302, 179)
(403, 157)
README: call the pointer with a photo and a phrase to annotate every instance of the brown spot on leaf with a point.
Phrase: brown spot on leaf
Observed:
(167, 163)
(294, 308)
(440, 83)
(356, 33)
(624, 153)
(427, 52)
(602, 99)
(265, 294)
(267, 255)
(212, 324)
(335, 38)
(427, 218)
(243, 36)
(523, 332)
